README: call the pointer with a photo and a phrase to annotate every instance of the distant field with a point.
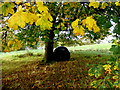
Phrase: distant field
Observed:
(7, 54)
(92, 47)
(85, 47)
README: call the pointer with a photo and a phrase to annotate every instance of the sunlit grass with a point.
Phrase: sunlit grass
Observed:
(92, 47)
(13, 63)
(13, 53)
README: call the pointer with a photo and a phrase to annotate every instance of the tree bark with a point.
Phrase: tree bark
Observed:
(49, 47)
(4, 39)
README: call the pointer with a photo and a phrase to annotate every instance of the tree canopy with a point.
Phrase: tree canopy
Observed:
(86, 19)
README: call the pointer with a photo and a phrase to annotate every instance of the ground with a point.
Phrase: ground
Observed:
(27, 72)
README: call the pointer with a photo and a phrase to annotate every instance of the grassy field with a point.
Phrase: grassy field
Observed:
(22, 69)
(92, 47)
(97, 47)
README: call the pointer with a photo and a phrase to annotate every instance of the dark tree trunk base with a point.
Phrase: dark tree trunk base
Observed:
(49, 48)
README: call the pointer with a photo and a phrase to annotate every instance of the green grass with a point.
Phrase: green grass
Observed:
(92, 47)
(85, 47)
(21, 69)
(13, 60)
(14, 53)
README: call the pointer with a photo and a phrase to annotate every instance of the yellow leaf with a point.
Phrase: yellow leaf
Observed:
(90, 74)
(12, 25)
(39, 15)
(96, 29)
(34, 8)
(75, 23)
(49, 17)
(62, 24)
(78, 31)
(21, 18)
(44, 23)
(58, 26)
(31, 18)
(91, 24)
(117, 3)
(39, 3)
(18, 3)
(27, 4)
(42, 8)
(89, 27)
(94, 4)
(103, 6)
(16, 45)
(19, 8)
(107, 67)
(17, 19)
(10, 42)
(38, 22)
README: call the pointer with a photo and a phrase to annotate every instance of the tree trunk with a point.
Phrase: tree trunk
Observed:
(4, 39)
(49, 47)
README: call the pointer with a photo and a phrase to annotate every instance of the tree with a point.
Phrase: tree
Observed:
(86, 19)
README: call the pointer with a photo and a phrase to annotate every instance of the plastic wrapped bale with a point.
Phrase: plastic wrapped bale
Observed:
(61, 54)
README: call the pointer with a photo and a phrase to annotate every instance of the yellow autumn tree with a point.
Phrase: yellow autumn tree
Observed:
(89, 22)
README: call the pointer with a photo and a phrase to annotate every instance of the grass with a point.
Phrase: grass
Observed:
(22, 70)
(13, 61)
(92, 47)
(14, 53)
(97, 47)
